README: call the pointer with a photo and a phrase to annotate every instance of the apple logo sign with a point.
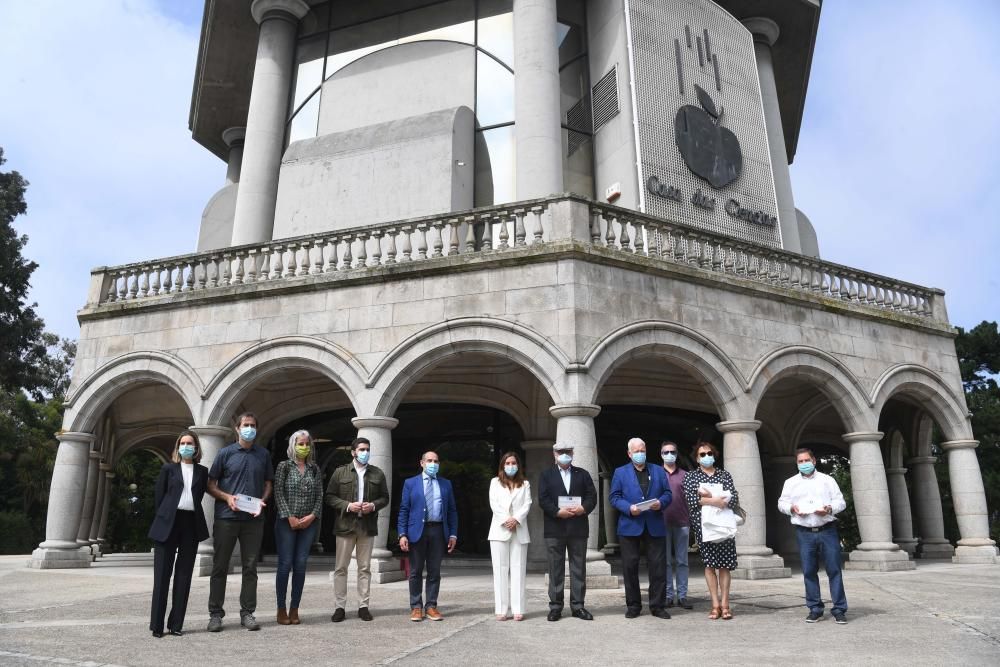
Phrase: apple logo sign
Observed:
(711, 151)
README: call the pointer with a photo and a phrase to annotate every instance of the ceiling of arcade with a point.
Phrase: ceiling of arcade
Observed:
(796, 412)
(149, 415)
(653, 381)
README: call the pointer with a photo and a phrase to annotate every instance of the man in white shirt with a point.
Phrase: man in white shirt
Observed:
(811, 499)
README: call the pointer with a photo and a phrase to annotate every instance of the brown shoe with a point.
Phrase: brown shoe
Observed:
(433, 614)
(283, 617)
(293, 616)
(416, 614)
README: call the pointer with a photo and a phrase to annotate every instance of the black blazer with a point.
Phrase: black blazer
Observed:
(169, 486)
(550, 487)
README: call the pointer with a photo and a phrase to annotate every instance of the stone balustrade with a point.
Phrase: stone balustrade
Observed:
(493, 231)
(629, 232)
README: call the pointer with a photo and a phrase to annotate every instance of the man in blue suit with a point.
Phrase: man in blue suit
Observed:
(427, 525)
(639, 492)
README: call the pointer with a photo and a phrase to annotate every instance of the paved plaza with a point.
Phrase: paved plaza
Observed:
(938, 614)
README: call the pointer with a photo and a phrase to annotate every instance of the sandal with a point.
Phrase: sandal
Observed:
(727, 614)
(714, 615)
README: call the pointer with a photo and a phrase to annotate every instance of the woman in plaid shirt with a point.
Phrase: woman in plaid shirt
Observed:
(298, 490)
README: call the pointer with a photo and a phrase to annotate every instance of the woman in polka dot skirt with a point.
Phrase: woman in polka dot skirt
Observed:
(719, 557)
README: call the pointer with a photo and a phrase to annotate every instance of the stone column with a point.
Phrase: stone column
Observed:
(378, 430)
(742, 457)
(782, 533)
(610, 517)
(265, 129)
(877, 551)
(537, 457)
(234, 138)
(537, 116)
(108, 471)
(95, 520)
(66, 494)
(212, 439)
(930, 516)
(575, 424)
(902, 520)
(765, 33)
(969, 498)
(89, 500)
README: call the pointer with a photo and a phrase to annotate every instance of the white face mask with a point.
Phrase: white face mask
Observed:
(564, 459)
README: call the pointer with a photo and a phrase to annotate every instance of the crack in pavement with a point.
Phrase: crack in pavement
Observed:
(55, 660)
(433, 642)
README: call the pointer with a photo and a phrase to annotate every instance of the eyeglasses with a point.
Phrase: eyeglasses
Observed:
(668, 451)
(705, 453)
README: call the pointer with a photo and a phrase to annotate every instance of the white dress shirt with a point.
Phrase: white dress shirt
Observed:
(811, 493)
(187, 500)
(565, 472)
(361, 470)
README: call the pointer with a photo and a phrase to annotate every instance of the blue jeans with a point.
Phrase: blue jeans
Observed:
(677, 552)
(293, 553)
(824, 544)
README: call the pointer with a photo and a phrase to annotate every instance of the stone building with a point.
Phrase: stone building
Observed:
(510, 222)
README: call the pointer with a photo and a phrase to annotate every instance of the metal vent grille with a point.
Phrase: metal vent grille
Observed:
(578, 118)
(605, 94)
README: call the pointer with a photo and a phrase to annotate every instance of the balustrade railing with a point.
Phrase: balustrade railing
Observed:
(496, 230)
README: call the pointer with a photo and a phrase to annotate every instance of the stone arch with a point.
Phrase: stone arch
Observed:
(139, 438)
(402, 367)
(721, 378)
(935, 397)
(302, 352)
(88, 402)
(822, 370)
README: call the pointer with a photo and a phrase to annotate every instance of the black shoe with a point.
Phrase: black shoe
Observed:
(632, 613)
(670, 603)
(814, 616)
(583, 614)
(364, 614)
(176, 633)
(555, 615)
(215, 624)
(157, 633)
(660, 613)
(685, 604)
(339, 615)
(840, 619)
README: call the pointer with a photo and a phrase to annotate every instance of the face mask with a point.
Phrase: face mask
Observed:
(707, 461)
(510, 471)
(363, 456)
(248, 433)
(669, 457)
(432, 469)
(302, 451)
(564, 459)
(639, 458)
(807, 468)
(186, 451)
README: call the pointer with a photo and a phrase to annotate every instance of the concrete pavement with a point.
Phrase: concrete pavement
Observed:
(938, 614)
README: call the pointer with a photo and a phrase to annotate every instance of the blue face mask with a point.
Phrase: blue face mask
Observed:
(510, 471)
(186, 451)
(669, 457)
(564, 459)
(432, 469)
(707, 461)
(248, 433)
(363, 456)
(807, 468)
(639, 458)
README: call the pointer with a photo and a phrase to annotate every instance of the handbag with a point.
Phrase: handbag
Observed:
(741, 515)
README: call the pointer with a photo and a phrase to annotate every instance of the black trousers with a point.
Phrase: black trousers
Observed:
(428, 550)
(181, 545)
(225, 534)
(656, 560)
(557, 548)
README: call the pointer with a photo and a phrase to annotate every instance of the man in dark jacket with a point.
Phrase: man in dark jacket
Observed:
(566, 495)
(357, 491)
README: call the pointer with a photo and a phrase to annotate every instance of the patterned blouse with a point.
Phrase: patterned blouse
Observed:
(298, 493)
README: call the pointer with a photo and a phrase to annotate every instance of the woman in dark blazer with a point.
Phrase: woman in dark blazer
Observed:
(177, 529)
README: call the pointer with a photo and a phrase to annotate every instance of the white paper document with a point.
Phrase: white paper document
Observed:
(245, 503)
(645, 505)
(570, 501)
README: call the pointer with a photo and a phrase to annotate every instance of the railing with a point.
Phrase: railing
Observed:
(632, 233)
(494, 231)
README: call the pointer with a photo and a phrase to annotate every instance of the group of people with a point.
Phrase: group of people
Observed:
(658, 507)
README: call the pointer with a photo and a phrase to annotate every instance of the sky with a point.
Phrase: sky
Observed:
(896, 163)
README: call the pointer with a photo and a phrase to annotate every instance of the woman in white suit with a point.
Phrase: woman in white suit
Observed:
(510, 499)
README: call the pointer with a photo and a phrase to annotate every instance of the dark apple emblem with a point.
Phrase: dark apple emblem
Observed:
(710, 150)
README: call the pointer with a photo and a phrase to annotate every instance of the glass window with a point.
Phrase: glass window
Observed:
(494, 92)
(495, 166)
(308, 69)
(578, 163)
(496, 30)
(303, 124)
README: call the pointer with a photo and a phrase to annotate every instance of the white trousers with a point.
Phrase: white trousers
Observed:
(510, 562)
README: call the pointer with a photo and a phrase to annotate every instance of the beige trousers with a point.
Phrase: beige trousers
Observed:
(346, 545)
